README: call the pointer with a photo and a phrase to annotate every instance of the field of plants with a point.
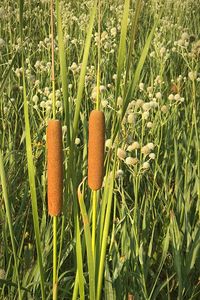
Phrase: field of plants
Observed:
(110, 210)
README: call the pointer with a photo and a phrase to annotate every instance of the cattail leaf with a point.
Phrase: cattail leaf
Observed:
(63, 71)
(122, 45)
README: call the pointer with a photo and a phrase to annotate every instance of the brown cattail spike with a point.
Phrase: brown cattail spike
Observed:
(96, 149)
(54, 167)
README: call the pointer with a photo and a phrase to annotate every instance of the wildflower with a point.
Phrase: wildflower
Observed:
(108, 143)
(131, 118)
(64, 129)
(145, 115)
(145, 150)
(171, 97)
(162, 51)
(121, 153)
(58, 104)
(43, 104)
(192, 75)
(149, 125)
(139, 102)
(119, 173)
(177, 97)
(35, 98)
(104, 103)
(150, 146)
(158, 95)
(77, 141)
(141, 86)
(164, 109)
(152, 155)
(146, 106)
(184, 36)
(131, 161)
(146, 165)
(135, 145)
(113, 31)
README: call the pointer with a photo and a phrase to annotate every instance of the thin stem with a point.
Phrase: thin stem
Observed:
(52, 60)
(55, 274)
(98, 101)
(94, 215)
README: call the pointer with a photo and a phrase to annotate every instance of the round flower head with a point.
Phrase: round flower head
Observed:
(150, 146)
(108, 143)
(145, 150)
(77, 141)
(121, 153)
(152, 155)
(146, 165)
(135, 145)
(131, 161)
(119, 173)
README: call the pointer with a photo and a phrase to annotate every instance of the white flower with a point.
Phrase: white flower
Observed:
(113, 31)
(104, 103)
(177, 97)
(152, 155)
(162, 51)
(131, 118)
(58, 104)
(141, 86)
(108, 143)
(77, 141)
(145, 150)
(158, 95)
(74, 66)
(145, 115)
(119, 173)
(135, 145)
(150, 146)
(149, 125)
(121, 153)
(146, 165)
(35, 98)
(184, 36)
(131, 161)
(171, 97)
(64, 129)
(139, 102)
(192, 75)
(164, 109)
(42, 104)
(146, 106)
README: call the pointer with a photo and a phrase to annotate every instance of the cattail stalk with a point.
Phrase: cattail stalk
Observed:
(55, 185)
(55, 174)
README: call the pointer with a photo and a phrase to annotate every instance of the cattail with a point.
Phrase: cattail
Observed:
(96, 149)
(54, 167)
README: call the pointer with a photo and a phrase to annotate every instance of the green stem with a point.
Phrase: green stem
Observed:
(94, 215)
(55, 274)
